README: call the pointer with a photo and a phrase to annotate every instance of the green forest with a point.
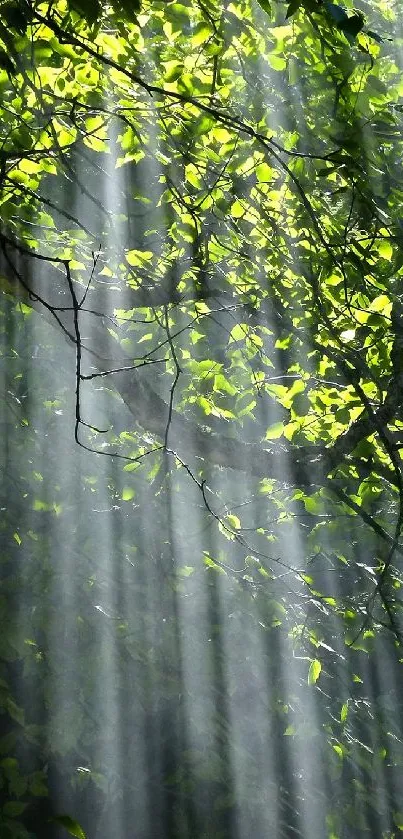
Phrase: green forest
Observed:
(201, 417)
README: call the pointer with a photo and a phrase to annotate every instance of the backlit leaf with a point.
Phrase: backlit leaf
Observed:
(314, 671)
(72, 827)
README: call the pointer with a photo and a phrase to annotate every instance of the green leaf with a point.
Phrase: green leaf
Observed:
(233, 521)
(185, 571)
(237, 210)
(38, 784)
(239, 332)
(138, 258)
(16, 15)
(130, 8)
(265, 5)
(201, 33)
(398, 819)
(274, 431)
(15, 711)
(352, 26)
(264, 173)
(9, 765)
(210, 563)
(127, 493)
(293, 7)
(90, 10)
(290, 731)
(222, 385)
(385, 250)
(314, 671)
(6, 63)
(376, 84)
(7, 743)
(174, 71)
(375, 36)
(14, 808)
(336, 12)
(277, 62)
(300, 404)
(70, 825)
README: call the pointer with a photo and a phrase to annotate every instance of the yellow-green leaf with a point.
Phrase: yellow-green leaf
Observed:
(275, 431)
(138, 258)
(71, 826)
(127, 493)
(233, 521)
(314, 671)
(385, 250)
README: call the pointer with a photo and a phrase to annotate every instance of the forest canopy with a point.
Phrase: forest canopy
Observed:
(201, 319)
